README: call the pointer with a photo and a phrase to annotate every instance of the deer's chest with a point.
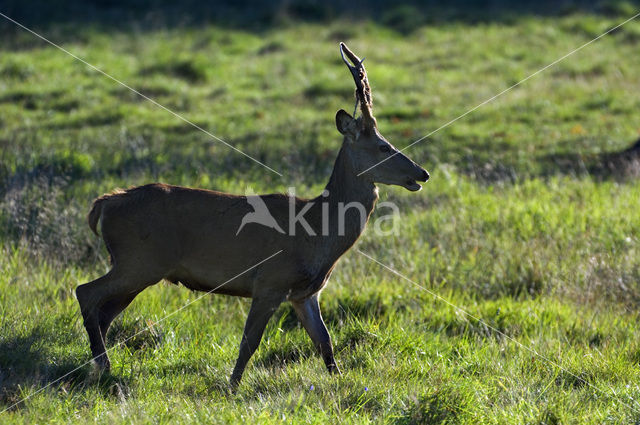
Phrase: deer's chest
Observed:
(312, 282)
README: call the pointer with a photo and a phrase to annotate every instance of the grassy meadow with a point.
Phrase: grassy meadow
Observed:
(523, 224)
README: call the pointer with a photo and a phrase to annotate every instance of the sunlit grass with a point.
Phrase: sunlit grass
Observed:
(538, 249)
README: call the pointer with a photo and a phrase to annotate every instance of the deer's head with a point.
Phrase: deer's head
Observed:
(373, 157)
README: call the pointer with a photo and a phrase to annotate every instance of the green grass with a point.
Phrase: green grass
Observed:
(514, 227)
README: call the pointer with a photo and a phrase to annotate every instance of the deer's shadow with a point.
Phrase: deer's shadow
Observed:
(27, 366)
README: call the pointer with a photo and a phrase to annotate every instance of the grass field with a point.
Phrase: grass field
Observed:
(520, 225)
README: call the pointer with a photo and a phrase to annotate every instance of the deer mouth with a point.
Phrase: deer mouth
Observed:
(411, 185)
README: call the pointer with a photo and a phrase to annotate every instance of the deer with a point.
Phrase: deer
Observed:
(192, 237)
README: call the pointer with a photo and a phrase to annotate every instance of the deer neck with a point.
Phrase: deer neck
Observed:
(345, 188)
(345, 185)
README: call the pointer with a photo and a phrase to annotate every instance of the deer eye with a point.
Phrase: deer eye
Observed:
(385, 148)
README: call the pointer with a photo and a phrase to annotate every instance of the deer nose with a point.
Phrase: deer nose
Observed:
(425, 176)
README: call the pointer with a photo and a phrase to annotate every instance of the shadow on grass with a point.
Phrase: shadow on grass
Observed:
(68, 19)
(620, 165)
(355, 307)
(286, 352)
(615, 165)
(26, 367)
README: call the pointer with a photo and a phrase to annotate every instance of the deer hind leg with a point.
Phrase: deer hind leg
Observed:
(90, 297)
(259, 314)
(100, 301)
(308, 311)
(111, 309)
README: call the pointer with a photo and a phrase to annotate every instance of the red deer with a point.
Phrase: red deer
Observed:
(193, 237)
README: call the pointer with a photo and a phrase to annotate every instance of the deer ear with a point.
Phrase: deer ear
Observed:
(345, 123)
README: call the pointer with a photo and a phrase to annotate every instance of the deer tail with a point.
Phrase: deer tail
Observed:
(94, 215)
(96, 209)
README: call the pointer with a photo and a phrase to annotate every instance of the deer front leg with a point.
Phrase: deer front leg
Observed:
(259, 314)
(308, 312)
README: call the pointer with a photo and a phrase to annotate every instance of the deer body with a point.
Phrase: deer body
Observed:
(198, 238)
